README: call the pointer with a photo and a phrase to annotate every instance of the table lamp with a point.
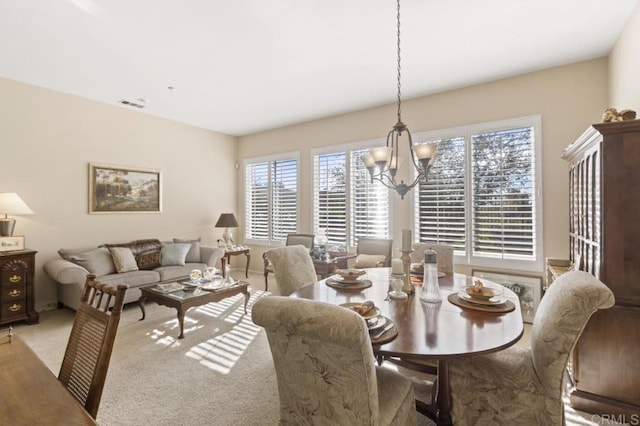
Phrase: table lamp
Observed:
(10, 203)
(227, 220)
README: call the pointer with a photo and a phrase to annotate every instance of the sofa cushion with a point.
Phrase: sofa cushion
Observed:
(123, 259)
(176, 272)
(174, 254)
(132, 279)
(194, 252)
(146, 252)
(97, 261)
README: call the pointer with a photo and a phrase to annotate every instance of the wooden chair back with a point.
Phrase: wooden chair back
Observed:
(86, 359)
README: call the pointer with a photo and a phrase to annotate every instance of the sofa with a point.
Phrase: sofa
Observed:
(135, 263)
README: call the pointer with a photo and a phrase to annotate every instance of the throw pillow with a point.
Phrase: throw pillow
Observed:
(369, 260)
(96, 261)
(149, 259)
(194, 252)
(123, 259)
(174, 254)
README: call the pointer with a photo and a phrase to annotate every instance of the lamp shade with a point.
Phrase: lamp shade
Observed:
(227, 220)
(11, 203)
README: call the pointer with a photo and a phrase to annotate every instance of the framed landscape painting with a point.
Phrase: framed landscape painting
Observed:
(118, 189)
(527, 288)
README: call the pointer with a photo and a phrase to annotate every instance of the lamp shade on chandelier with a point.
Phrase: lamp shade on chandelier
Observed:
(383, 162)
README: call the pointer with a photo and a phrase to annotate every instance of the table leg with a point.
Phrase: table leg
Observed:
(141, 303)
(247, 295)
(443, 394)
(181, 321)
(246, 269)
(223, 263)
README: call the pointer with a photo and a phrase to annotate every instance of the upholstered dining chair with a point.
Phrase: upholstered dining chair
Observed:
(325, 367)
(86, 359)
(306, 240)
(292, 267)
(524, 386)
(370, 253)
(444, 255)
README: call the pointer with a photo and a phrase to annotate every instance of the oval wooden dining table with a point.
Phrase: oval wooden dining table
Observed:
(431, 331)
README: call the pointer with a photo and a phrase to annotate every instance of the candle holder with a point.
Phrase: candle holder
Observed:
(398, 285)
(406, 263)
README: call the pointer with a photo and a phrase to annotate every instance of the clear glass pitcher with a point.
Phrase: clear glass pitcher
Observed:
(430, 291)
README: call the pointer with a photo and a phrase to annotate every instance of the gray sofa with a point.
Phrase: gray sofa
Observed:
(152, 262)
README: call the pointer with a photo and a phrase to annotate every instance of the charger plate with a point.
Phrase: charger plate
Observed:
(388, 335)
(357, 285)
(507, 306)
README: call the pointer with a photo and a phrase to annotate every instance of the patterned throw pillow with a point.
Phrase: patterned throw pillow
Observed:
(174, 254)
(123, 259)
(194, 252)
(149, 259)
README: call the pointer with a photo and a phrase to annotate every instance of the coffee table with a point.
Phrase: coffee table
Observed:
(182, 300)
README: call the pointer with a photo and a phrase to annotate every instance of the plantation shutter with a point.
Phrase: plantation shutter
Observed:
(330, 196)
(257, 201)
(440, 204)
(284, 198)
(503, 194)
(369, 202)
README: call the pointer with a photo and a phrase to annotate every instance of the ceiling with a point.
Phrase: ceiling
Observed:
(243, 66)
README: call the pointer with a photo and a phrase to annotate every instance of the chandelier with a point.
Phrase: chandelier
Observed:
(383, 162)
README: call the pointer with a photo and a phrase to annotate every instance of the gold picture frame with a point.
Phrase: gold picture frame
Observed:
(122, 189)
(13, 243)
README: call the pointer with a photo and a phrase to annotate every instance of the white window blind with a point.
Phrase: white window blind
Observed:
(440, 210)
(330, 196)
(503, 194)
(271, 199)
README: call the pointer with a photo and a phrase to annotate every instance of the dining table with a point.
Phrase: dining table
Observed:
(31, 393)
(430, 331)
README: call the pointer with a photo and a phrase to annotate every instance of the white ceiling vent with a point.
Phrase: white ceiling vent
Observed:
(132, 104)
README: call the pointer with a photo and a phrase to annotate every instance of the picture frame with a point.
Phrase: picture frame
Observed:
(13, 243)
(527, 287)
(123, 189)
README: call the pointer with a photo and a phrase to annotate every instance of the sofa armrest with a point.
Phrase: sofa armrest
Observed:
(65, 272)
(210, 255)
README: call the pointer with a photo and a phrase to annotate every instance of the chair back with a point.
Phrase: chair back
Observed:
(292, 267)
(306, 240)
(86, 359)
(373, 252)
(562, 314)
(444, 255)
(323, 359)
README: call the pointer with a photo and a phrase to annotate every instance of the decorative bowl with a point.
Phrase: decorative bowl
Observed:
(350, 274)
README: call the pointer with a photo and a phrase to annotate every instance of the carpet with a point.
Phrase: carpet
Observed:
(221, 373)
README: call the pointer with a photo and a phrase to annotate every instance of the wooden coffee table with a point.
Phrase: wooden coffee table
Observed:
(183, 300)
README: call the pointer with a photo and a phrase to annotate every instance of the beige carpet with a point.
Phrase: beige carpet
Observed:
(221, 373)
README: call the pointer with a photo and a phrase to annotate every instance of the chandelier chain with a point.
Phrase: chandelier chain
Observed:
(399, 68)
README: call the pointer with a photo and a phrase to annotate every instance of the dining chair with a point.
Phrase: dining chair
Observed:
(524, 386)
(306, 240)
(86, 359)
(444, 255)
(292, 267)
(370, 253)
(325, 367)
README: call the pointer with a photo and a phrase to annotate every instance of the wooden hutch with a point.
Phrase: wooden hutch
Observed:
(604, 240)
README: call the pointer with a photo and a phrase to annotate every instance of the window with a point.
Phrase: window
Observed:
(346, 204)
(271, 202)
(481, 194)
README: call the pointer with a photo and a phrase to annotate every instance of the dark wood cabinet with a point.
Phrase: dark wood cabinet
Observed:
(17, 298)
(604, 238)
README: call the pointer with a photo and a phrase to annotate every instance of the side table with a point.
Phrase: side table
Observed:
(226, 259)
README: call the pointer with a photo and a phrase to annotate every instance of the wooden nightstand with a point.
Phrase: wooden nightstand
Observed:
(17, 296)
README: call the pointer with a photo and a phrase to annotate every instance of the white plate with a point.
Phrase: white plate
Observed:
(370, 313)
(492, 301)
(339, 279)
(377, 323)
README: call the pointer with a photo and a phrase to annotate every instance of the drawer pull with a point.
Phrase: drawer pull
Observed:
(15, 278)
(15, 292)
(14, 308)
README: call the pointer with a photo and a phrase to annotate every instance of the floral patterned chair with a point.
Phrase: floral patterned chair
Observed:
(292, 267)
(326, 369)
(524, 386)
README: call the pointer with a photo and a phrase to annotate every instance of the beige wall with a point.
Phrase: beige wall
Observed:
(568, 98)
(624, 63)
(49, 138)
